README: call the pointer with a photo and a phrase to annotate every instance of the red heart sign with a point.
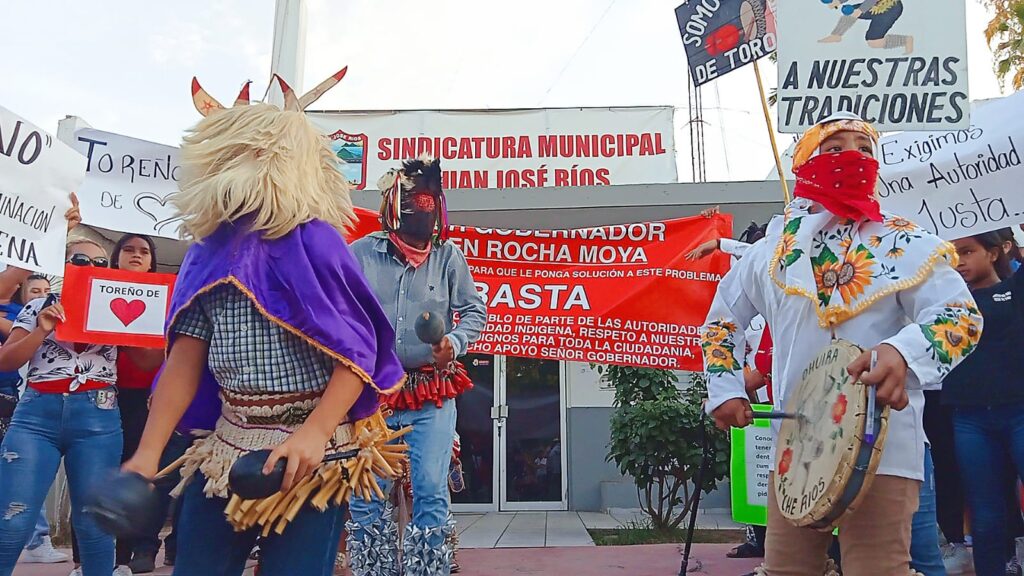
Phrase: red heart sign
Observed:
(127, 312)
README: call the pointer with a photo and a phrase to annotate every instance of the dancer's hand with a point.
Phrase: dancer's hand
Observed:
(734, 413)
(444, 354)
(304, 451)
(889, 376)
(831, 39)
(143, 464)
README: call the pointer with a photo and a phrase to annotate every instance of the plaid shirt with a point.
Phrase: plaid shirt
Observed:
(249, 354)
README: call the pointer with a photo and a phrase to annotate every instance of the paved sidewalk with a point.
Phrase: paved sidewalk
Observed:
(499, 544)
(655, 560)
(556, 529)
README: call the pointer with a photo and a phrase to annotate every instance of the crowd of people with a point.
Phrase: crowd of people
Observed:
(83, 405)
(247, 367)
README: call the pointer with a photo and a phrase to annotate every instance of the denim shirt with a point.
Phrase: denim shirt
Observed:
(442, 286)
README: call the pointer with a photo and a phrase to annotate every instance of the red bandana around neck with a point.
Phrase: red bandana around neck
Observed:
(844, 183)
(413, 255)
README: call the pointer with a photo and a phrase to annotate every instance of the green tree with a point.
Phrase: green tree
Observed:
(656, 438)
(1005, 35)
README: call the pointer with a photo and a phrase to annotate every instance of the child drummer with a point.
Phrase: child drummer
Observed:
(836, 266)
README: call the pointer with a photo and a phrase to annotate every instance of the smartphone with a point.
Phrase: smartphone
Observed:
(51, 299)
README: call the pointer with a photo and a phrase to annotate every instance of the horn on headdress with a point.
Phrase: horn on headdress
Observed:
(204, 103)
(291, 102)
(243, 95)
(314, 94)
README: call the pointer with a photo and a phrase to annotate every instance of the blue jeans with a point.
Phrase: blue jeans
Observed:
(989, 440)
(925, 556)
(209, 546)
(10, 388)
(42, 530)
(45, 428)
(430, 453)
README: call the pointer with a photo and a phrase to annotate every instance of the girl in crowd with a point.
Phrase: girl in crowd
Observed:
(987, 396)
(136, 369)
(69, 410)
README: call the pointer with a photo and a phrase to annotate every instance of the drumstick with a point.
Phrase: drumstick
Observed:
(869, 426)
(774, 415)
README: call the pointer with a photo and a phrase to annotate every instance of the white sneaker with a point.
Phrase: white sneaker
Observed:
(76, 572)
(122, 571)
(43, 554)
(957, 559)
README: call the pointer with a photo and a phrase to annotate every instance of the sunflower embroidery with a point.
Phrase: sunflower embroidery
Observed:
(900, 225)
(901, 231)
(717, 344)
(955, 333)
(851, 277)
(790, 253)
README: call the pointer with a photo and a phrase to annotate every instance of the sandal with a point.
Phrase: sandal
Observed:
(746, 550)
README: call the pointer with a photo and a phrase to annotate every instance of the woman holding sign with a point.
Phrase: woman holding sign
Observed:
(136, 370)
(69, 411)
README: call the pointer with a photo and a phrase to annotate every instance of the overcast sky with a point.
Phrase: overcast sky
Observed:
(125, 66)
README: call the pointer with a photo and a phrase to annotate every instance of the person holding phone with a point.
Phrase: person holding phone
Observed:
(68, 411)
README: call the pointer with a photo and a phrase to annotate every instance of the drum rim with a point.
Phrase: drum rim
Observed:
(826, 513)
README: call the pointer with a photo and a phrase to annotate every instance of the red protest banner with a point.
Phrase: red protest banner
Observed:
(106, 306)
(620, 294)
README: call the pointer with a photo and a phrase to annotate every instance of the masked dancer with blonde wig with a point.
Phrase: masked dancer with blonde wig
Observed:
(274, 341)
(837, 266)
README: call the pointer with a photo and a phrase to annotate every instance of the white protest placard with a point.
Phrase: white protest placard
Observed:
(901, 65)
(38, 173)
(961, 182)
(127, 182)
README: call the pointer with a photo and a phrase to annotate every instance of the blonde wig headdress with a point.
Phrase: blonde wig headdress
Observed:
(811, 140)
(261, 162)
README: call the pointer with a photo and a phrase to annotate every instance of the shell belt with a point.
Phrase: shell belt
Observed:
(256, 422)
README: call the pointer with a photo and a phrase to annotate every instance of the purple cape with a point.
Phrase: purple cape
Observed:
(307, 281)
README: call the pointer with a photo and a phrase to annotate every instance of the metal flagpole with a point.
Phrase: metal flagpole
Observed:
(289, 55)
(771, 133)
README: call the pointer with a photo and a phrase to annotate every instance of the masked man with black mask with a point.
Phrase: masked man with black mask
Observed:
(413, 269)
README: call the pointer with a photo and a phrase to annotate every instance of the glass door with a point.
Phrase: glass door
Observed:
(476, 425)
(532, 419)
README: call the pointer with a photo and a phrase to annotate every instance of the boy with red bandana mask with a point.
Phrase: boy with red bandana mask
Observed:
(839, 267)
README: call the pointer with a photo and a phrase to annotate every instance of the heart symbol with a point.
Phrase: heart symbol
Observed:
(161, 209)
(127, 312)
